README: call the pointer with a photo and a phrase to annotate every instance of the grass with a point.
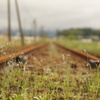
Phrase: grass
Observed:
(29, 87)
(54, 82)
(91, 48)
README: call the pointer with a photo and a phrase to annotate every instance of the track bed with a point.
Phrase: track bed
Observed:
(47, 74)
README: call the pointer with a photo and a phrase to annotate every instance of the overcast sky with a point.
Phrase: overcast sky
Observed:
(53, 14)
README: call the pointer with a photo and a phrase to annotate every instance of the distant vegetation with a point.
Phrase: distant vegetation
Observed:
(84, 32)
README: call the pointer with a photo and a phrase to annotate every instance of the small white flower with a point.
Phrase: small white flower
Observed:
(25, 63)
(47, 69)
(21, 62)
(25, 57)
(8, 63)
(97, 61)
(22, 53)
(17, 65)
(84, 79)
(68, 55)
(24, 68)
(4, 53)
(90, 74)
(36, 98)
(1, 46)
(87, 64)
(84, 51)
(63, 57)
(92, 60)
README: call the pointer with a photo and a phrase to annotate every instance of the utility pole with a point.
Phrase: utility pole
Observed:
(9, 21)
(19, 22)
(35, 29)
(42, 33)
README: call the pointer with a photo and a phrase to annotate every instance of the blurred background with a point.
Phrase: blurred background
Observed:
(57, 19)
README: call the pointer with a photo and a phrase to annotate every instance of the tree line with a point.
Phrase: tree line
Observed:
(84, 32)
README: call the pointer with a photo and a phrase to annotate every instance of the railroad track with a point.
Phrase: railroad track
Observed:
(27, 51)
(77, 56)
(80, 56)
(78, 61)
(46, 71)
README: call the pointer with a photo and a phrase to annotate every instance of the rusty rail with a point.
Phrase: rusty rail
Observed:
(78, 53)
(25, 51)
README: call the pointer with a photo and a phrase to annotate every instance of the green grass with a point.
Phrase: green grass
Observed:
(19, 86)
(16, 85)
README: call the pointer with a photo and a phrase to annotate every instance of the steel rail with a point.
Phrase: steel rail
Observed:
(85, 56)
(25, 51)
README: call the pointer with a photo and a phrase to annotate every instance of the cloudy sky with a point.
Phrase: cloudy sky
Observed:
(53, 14)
